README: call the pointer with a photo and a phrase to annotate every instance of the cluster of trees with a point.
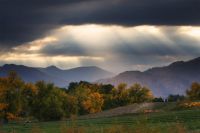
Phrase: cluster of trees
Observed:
(170, 98)
(41, 100)
(44, 101)
(123, 95)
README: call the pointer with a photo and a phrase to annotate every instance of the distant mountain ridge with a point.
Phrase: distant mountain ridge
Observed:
(172, 79)
(58, 76)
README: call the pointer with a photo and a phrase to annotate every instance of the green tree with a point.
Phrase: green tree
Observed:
(29, 93)
(119, 96)
(106, 89)
(70, 104)
(48, 103)
(138, 93)
(158, 99)
(175, 98)
(122, 95)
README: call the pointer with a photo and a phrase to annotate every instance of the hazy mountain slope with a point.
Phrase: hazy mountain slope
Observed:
(28, 74)
(175, 78)
(91, 73)
(53, 74)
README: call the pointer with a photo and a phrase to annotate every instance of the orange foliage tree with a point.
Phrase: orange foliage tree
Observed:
(194, 92)
(93, 103)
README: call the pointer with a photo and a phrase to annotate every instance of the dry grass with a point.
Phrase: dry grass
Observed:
(65, 129)
(177, 128)
(144, 128)
(129, 109)
(140, 127)
(36, 129)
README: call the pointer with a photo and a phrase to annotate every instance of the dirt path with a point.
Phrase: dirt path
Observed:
(129, 109)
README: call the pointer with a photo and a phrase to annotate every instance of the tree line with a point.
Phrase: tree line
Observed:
(44, 101)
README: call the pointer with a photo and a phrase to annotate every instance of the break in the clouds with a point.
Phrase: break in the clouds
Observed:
(22, 21)
(115, 48)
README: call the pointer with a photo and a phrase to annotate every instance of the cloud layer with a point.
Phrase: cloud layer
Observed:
(23, 21)
(115, 48)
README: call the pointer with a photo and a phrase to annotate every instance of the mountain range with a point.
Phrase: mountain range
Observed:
(175, 78)
(55, 75)
(172, 79)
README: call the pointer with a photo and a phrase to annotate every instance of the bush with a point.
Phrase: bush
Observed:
(175, 98)
(159, 99)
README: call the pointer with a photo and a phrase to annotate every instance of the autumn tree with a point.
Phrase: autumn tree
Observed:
(45, 101)
(10, 95)
(93, 103)
(3, 103)
(88, 97)
(194, 92)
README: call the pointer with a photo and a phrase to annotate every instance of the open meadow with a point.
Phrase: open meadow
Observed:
(165, 121)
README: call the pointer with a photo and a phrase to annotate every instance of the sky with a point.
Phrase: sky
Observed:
(117, 35)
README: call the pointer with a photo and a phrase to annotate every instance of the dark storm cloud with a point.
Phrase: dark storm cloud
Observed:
(25, 20)
(138, 12)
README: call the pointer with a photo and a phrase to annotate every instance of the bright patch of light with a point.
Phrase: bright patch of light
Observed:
(36, 45)
(191, 31)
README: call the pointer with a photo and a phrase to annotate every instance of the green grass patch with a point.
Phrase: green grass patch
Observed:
(157, 122)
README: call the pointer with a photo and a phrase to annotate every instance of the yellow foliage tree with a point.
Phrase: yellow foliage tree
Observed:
(93, 103)
(194, 92)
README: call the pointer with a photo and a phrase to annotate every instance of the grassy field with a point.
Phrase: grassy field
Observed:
(187, 120)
